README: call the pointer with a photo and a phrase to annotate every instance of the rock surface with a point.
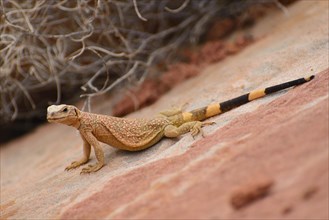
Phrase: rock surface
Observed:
(281, 140)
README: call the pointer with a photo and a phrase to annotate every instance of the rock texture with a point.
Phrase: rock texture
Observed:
(271, 153)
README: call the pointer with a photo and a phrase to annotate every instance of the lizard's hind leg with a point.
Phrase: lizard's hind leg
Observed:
(194, 127)
(173, 111)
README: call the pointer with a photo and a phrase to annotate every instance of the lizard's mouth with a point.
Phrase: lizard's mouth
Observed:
(50, 119)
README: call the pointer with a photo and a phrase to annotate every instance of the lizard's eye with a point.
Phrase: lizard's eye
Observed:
(65, 110)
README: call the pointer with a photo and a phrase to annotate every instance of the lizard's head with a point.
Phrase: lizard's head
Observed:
(64, 114)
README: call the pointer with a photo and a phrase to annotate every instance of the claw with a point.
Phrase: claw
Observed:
(75, 164)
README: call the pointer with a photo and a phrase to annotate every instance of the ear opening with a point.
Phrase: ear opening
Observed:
(77, 112)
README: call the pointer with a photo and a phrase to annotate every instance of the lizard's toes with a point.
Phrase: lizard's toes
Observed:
(72, 166)
(91, 168)
(86, 169)
(69, 168)
(205, 123)
(194, 132)
(196, 129)
(76, 164)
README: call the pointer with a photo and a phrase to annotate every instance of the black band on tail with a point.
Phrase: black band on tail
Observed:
(286, 85)
(233, 103)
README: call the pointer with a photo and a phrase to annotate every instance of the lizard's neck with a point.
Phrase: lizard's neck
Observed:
(75, 124)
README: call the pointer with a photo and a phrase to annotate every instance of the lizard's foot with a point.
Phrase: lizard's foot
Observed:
(92, 168)
(76, 164)
(197, 128)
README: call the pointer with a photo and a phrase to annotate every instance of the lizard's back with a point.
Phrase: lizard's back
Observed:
(129, 134)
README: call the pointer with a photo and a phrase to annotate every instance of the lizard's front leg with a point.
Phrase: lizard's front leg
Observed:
(90, 138)
(84, 159)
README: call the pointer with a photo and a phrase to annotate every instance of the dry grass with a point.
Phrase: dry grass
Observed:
(52, 51)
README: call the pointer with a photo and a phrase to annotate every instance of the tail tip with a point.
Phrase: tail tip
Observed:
(309, 78)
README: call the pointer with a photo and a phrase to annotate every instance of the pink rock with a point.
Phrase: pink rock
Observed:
(283, 137)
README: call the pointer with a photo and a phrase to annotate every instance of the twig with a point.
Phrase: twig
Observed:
(92, 45)
(180, 8)
(116, 82)
(282, 7)
(137, 11)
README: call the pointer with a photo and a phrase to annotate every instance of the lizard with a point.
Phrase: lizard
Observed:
(138, 134)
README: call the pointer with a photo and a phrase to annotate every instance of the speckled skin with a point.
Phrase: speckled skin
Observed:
(123, 133)
(138, 134)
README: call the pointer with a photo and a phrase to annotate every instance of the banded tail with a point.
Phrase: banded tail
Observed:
(218, 108)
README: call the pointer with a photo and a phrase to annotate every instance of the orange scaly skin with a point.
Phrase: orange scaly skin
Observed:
(138, 134)
(123, 133)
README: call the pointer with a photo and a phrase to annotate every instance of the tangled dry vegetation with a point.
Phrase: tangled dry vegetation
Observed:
(53, 51)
